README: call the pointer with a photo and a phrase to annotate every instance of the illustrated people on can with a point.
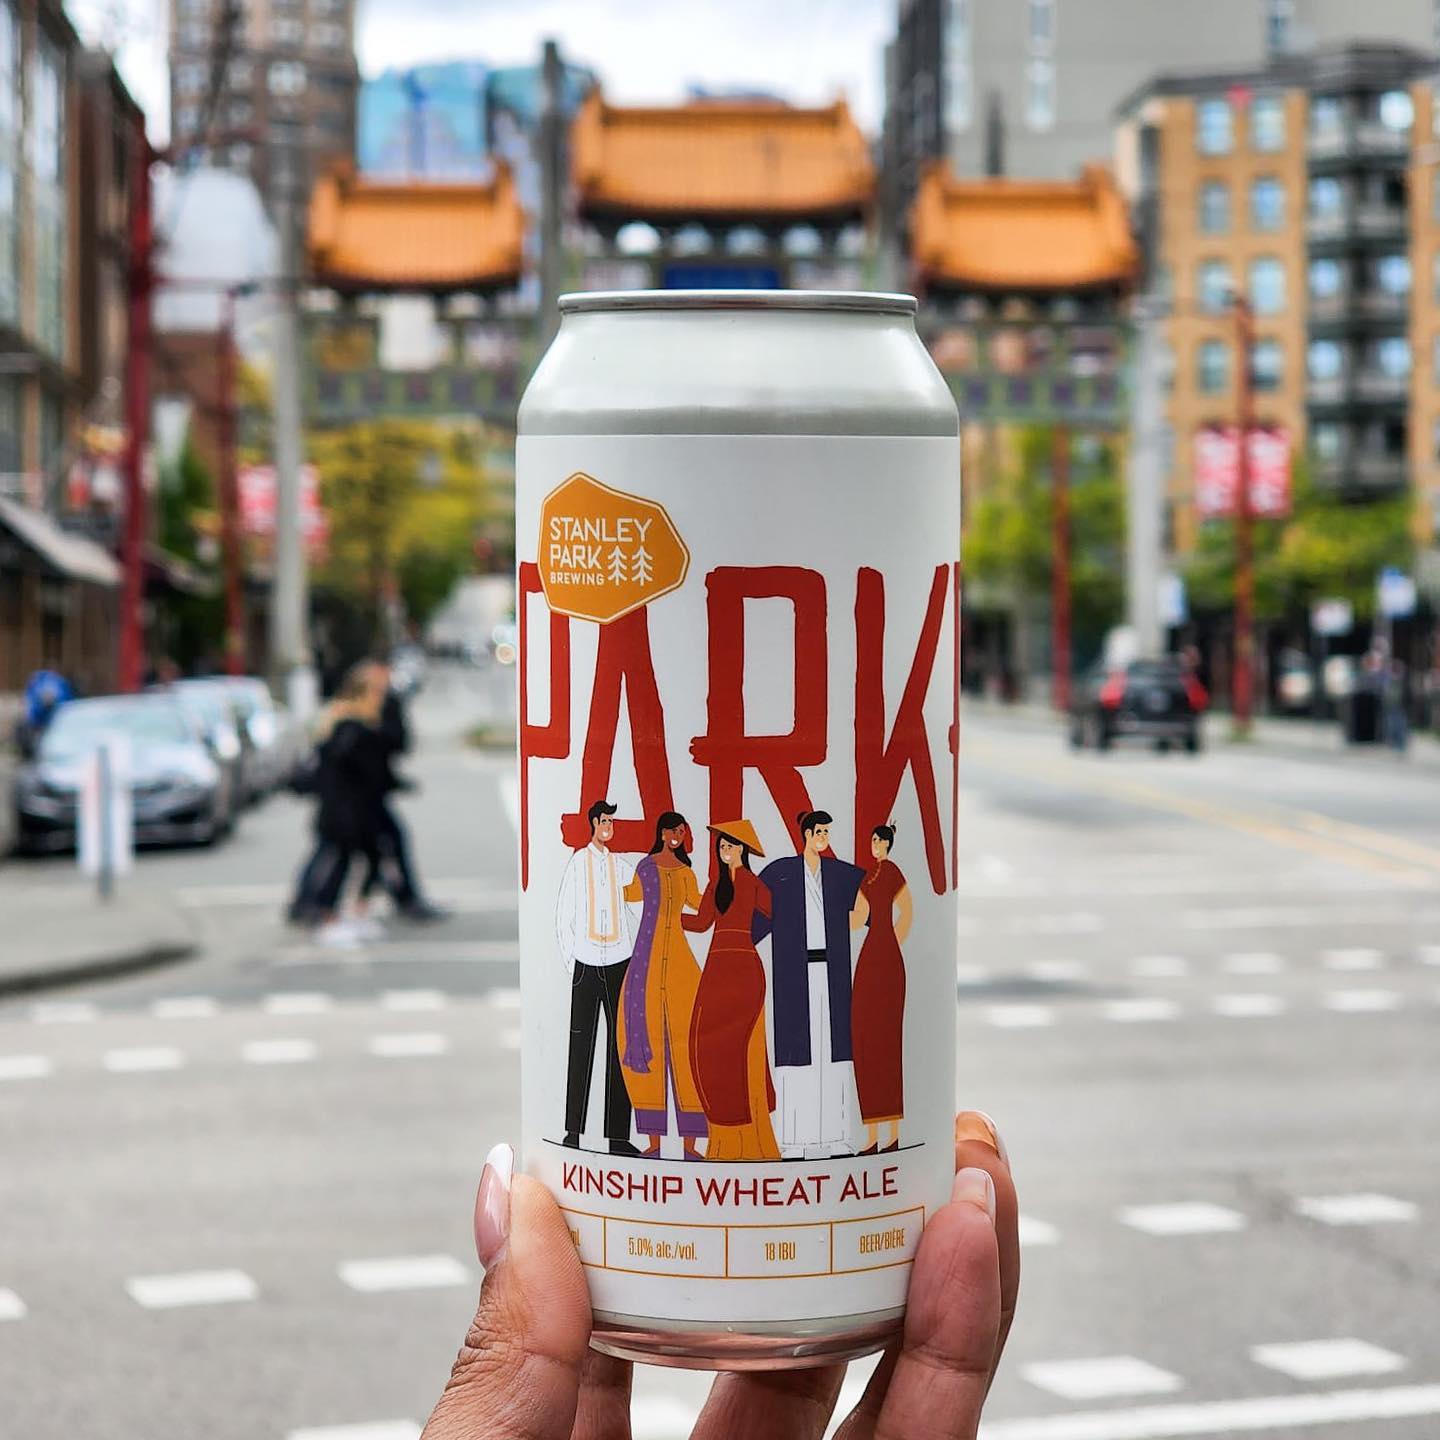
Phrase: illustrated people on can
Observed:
(658, 997)
(877, 1001)
(592, 930)
(727, 1031)
(812, 895)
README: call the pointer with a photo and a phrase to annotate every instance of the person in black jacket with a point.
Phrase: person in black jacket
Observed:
(391, 866)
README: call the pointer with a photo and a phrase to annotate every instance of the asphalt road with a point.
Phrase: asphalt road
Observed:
(1201, 997)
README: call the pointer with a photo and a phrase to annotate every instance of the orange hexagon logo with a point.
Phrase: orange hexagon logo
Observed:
(604, 553)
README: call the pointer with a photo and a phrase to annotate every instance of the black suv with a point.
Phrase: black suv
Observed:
(1156, 700)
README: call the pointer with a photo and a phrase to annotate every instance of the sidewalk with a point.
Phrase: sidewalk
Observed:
(59, 932)
(1299, 737)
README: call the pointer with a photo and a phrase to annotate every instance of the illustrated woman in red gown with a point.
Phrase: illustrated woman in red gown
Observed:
(727, 1028)
(877, 1007)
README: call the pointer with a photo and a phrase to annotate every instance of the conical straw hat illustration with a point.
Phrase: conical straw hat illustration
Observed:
(741, 831)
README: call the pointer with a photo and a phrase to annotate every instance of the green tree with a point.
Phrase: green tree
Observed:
(194, 625)
(1009, 541)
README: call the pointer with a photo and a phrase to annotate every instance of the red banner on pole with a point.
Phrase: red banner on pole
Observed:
(1217, 465)
(257, 504)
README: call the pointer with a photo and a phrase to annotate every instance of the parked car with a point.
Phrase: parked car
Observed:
(210, 703)
(1159, 701)
(180, 793)
(276, 740)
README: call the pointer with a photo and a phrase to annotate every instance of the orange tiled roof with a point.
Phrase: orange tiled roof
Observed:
(717, 160)
(415, 235)
(1002, 234)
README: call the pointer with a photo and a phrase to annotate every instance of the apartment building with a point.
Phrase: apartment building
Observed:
(1297, 185)
(248, 77)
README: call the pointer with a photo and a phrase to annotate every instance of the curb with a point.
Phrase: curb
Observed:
(133, 962)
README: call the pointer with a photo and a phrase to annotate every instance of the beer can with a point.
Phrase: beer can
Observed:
(737, 536)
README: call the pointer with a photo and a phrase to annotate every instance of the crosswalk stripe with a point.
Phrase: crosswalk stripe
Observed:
(404, 1272)
(142, 1059)
(185, 1007)
(12, 1307)
(1159, 967)
(1057, 971)
(1327, 1359)
(1248, 1006)
(366, 1430)
(63, 1012)
(407, 1000)
(191, 1287)
(1140, 1009)
(1226, 1417)
(1253, 962)
(1358, 1209)
(504, 999)
(282, 1051)
(397, 1047)
(1353, 959)
(25, 1067)
(1361, 1002)
(971, 975)
(1101, 1378)
(1019, 1017)
(1188, 1217)
(1037, 1232)
(297, 1002)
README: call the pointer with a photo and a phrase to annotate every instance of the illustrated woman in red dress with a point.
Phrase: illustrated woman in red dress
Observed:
(877, 1007)
(727, 1028)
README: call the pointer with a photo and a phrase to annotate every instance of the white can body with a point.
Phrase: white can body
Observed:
(739, 659)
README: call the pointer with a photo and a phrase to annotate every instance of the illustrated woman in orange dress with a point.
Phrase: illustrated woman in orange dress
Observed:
(727, 1033)
(658, 998)
(877, 1006)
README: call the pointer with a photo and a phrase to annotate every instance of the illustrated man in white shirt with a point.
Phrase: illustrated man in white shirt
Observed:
(592, 929)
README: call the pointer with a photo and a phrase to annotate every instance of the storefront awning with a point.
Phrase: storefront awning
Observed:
(71, 556)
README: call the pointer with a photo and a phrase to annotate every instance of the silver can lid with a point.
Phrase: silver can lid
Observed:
(867, 302)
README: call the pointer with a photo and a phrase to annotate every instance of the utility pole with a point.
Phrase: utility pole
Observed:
(552, 190)
(1144, 490)
(290, 659)
(141, 285)
(1060, 568)
(1242, 685)
(230, 541)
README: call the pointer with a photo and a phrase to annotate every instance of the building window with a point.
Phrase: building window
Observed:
(959, 92)
(1328, 441)
(1042, 27)
(1214, 127)
(9, 177)
(1391, 356)
(1279, 16)
(1325, 360)
(187, 119)
(191, 77)
(1327, 198)
(1267, 285)
(1213, 367)
(1040, 95)
(1214, 207)
(194, 34)
(330, 36)
(1396, 111)
(1392, 274)
(241, 74)
(287, 29)
(1267, 363)
(1267, 204)
(49, 209)
(1327, 118)
(1267, 123)
(1215, 285)
(287, 78)
(1327, 279)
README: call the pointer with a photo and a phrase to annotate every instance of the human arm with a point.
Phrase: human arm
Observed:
(905, 904)
(860, 912)
(762, 921)
(706, 916)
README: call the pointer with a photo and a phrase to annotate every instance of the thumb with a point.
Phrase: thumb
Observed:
(517, 1375)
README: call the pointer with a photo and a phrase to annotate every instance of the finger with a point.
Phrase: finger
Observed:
(952, 1322)
(770, 1405)
(517, 1376)
(978, 1144)
(603, 1412)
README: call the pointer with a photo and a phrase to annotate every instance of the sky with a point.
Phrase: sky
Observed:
(807, 50)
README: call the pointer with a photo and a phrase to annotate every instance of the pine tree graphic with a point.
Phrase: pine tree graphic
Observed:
(617, 566)
(641, 570)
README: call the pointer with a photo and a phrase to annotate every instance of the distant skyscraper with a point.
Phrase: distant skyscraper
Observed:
(245, 72)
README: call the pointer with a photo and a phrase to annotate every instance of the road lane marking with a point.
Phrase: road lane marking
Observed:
(279, 1052)
(1361, 1002)
(1360, 1209)
(142, 1059)
(404, 1272)
(191, 1287)
(399, 1047)
(1102, 1378)
(1037, 1232)
(1187, 1217)
(1353, 959)
(505, 998)
(1070, 922)
(1327, 1359)
(1140, 1010)
(297, 1002)
(12, 1307)
(26, 1067)
(1159, 967)
(1226, 1417)
(1056, 971)
(185, 1007)
(409, 1000)
(1018, 1017)
(64, 1012)
(365, 1430)
(1297, 917)
(1253, 962)
(1248, 1006)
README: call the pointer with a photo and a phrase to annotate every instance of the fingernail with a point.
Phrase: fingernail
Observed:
(977, 1125)
(974, 1186)
(492, 1205)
